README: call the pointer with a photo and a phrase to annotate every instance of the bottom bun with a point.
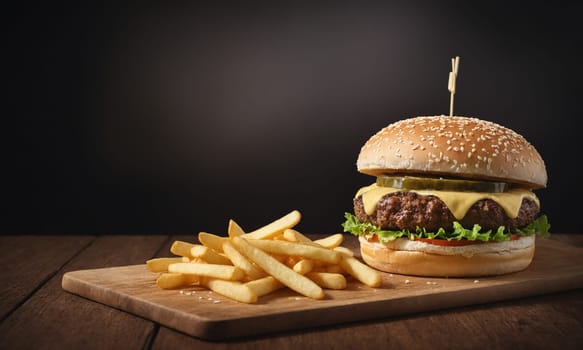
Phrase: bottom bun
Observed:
(407, 257)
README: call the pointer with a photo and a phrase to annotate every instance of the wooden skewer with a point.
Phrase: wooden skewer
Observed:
(455, 63)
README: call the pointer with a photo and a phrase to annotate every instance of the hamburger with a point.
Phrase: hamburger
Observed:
(453, 197)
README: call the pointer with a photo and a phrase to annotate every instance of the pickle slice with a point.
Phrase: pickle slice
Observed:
(441, 184)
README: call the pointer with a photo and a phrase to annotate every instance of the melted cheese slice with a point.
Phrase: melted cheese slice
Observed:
(458, 202)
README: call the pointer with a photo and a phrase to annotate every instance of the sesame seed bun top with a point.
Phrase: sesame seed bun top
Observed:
(453, 146)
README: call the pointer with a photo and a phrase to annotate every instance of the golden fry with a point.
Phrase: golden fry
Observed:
(295, 236)
(173, 280)
(181, 248)
(277, 226)
(331, 242)
(252, 271)
(296, 249)
(328, 280)
(224, 272)
(234, 229)
(278, 270)
(212, 241)
(209, 255)
(344, 251)
(161, 264)
(360, 271)
(234, 290)
(330, 268)
(303, 266)
(264, 286)
(245, 266)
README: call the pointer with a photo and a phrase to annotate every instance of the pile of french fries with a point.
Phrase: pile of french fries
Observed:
(246, 266)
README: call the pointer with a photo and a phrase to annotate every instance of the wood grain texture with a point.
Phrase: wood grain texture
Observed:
(28, 261)
(542, 322)
(53, 318)
(556, 267)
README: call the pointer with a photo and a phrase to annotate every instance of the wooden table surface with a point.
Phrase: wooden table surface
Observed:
(36, 313)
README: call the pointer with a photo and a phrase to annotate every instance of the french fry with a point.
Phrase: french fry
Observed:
(289, 235)
(234, 229)
(279, 271)
(290, 261)
(303, 266)
(252, 271)
(181, 248)
(330, 268)
(328, 280)
(161, 264)
(344, 251)
(234, 290)
(224, 272)
(295, 236)
(245, 266)
(360, 271)
(212, 241)
(331, 241)
(264, 286)
(296, 249)
(173, 280)
(276, 227)
(209, 255)
(284, 259)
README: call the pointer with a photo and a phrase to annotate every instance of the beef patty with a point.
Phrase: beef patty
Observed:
(409, 210)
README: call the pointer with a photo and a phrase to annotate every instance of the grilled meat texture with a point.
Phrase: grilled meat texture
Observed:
(409, 210)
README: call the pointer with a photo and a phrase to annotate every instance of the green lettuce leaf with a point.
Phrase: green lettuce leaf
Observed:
(540, 227)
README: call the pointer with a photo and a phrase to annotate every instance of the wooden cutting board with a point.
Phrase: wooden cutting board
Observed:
(202, 313)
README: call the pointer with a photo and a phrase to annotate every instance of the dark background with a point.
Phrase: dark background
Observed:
(138, 117)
